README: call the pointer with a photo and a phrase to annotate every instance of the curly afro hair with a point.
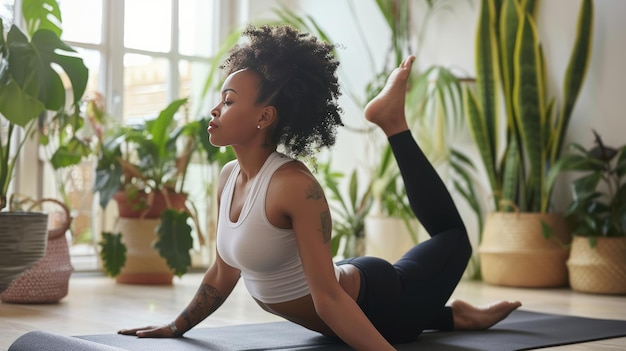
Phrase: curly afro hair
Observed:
(298, 78)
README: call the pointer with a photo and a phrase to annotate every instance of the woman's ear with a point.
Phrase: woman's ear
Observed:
(268, 117)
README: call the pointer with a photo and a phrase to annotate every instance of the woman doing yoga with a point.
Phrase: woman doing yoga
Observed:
(274, 225)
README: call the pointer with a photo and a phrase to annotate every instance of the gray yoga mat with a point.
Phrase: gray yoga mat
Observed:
(522, 330)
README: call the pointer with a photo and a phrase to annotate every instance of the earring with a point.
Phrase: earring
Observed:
(258, 127)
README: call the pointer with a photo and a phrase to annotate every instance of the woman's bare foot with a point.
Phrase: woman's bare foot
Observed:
(469, 317)
(387, 109)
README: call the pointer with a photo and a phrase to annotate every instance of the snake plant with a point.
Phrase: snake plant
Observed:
(518, 154)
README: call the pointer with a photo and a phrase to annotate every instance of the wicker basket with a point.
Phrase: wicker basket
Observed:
(514, 252)
(22, 243)
(600, 269)
(48, 280)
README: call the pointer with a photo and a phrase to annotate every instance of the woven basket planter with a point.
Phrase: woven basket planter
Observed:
(515, 253)
(600, 269)
(47, 281)
(22, 243)
(143, 265)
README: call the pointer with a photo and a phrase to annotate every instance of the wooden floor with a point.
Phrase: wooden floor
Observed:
(97, 305)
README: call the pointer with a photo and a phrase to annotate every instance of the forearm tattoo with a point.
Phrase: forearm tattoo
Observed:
(206, 301)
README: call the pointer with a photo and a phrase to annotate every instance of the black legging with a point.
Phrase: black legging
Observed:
(409, 296)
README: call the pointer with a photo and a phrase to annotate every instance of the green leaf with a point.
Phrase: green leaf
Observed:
(487, 73)
(511, 176)
(161, 126)
(70, 154)
(509, 23)
(576, 70)
(36, 59)
(529, 107)
(175, 240)
(42, 14)
(480, 133)
(112, 253)
(17, 106)
(586, 184)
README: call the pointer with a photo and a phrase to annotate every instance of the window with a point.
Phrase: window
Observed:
(141, 55)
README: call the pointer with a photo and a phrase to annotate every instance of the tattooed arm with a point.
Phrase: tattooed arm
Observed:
(218, 282)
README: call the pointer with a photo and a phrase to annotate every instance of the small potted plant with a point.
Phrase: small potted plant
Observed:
(143, 168)
(597, 215)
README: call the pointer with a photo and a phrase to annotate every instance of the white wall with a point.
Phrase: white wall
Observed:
(450, 42)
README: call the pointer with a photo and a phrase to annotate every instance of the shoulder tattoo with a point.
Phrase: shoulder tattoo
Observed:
(314, 191)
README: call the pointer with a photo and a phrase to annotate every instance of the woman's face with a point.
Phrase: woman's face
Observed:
(237, 116)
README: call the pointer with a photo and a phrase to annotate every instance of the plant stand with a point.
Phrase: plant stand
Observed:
(515, 253)
(600, 269)
(143, 265)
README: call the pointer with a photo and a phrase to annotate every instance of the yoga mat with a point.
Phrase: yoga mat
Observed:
(522, 330)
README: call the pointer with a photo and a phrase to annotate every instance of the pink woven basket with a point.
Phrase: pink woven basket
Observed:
(47, 281)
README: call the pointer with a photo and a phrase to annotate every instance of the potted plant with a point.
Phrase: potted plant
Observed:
(30, 86)
(143, 168)
(517, 158)
(597, 217)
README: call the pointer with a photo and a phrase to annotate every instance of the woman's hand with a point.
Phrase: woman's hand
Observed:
(163, 331)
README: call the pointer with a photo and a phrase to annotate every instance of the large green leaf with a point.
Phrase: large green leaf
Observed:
(160, 128)
(487, 73)
(175, 240)
(42, 14)
(479, 130)
(31, 66)
(17, 106)
(509, 25)
(112, 253)
(576, 71)
(528, 100)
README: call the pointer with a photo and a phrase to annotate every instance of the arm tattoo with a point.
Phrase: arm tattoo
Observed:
(326, 226)
(314, 191)
(206, 301)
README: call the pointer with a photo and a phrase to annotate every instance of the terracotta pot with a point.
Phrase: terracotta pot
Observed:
(515, 253)
(600, 269)
(148, 205)
(143, 265)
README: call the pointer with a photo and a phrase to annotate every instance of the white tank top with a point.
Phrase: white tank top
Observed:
(267, 256)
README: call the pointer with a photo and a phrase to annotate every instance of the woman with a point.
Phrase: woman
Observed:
(274, 225)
